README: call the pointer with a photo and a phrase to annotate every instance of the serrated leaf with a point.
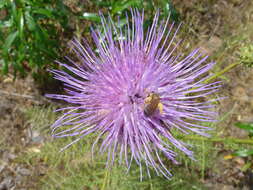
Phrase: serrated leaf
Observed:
(9, 40)
(91, 17)
(243, 153)
(245, 126)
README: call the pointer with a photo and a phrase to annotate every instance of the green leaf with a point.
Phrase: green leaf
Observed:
(246, 166)
(44, 12)
(9, 40)
(6, 24)
(119, 7)
(20, 23)
(90, 16)
(121, 23)
(167, 8)
(1, 38)
(3, 3)
(245, 126)
(30, 21)
(13, 9)
(102, 3)
(246, 55)
(4, 66)
(243, 153)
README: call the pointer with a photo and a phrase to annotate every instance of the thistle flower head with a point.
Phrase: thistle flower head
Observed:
(134, 92)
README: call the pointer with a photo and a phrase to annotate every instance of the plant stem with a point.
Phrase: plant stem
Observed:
(226, 69)
(216, 139)
(105, 179)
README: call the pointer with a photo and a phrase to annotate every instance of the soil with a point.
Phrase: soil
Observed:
(15, 97)
(213, 22)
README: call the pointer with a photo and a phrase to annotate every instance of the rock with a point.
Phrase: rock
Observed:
(210, 46)
(2, 167)
(35, 136)
(7, 183)
(7, 156)
(240, 94)
(24, 171)
(18, 179)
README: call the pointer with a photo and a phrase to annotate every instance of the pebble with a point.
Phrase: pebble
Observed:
(35, 136)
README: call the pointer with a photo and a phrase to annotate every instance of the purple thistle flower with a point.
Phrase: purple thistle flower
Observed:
(133, 92)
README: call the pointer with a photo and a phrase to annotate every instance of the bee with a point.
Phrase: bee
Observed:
(152, 103)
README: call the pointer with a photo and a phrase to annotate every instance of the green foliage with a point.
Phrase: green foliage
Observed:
(243, 152)
(30, 31)
(118, 7)
(117, 10)
(74, 168)
(246, 126)
(246, 55)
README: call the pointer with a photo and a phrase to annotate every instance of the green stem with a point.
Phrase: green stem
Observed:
(221, 72)
(226, 140)
(105, 179)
